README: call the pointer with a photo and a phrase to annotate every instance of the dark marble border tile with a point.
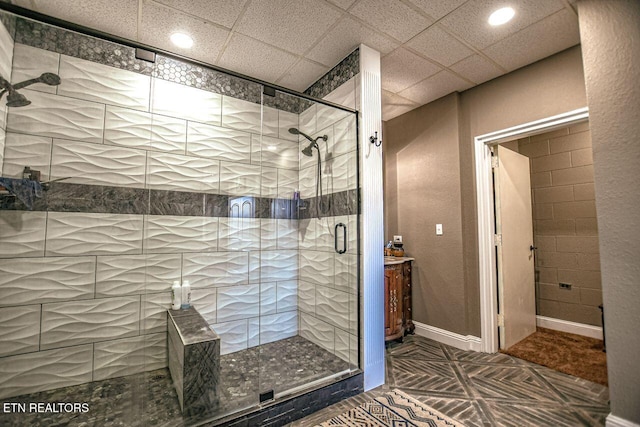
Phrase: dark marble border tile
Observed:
(338, 75)
(336, 204)
(9, 22)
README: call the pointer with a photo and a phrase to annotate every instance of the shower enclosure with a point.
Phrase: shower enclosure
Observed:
(153, 172)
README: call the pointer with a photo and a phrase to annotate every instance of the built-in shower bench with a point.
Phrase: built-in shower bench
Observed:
(194, 360)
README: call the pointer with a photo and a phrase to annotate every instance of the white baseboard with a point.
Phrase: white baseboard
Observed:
(613, 421)
(462, 342)
(570, 327)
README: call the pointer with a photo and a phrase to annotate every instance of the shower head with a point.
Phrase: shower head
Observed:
(308, 151)
(15, 99)
(295, 131)
(46, 78)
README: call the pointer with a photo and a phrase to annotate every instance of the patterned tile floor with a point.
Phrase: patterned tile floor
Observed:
(480, 389)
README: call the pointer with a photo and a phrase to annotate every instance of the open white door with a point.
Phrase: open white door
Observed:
(514, 226)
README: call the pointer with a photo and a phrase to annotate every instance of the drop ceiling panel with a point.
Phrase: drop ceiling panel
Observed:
(221, 12)
(401, 69)
(553, 34)
(302, 75)
(435, 87)
(477, 69)
(159, 22)
(344, 38)
(437, 8)
(253, 58)
(274, 22)
(111, 16)
(391, 17)
(394, 105)
(469, 21)
(437, 44)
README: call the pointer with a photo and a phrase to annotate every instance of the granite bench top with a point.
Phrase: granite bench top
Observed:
(191, 326)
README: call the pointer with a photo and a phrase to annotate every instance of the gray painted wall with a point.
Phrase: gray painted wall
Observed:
(611, 49)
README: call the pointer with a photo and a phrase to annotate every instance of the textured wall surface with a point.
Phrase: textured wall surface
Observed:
(162, 179)
(610, 38)
(565, 226)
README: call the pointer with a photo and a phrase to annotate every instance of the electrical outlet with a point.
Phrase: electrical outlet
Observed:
(566, 286)
(397, 239)
(438, 229)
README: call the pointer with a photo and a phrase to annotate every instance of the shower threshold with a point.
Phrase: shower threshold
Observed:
(287, 366)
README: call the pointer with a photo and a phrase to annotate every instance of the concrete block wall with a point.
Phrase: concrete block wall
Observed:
(565, 226)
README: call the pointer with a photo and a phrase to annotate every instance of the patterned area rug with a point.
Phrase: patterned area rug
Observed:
(392, 409)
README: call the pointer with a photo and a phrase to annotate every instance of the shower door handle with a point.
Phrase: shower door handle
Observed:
(344, 238)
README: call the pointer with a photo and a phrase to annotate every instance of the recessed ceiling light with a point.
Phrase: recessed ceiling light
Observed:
(501, 16)
(182, 40)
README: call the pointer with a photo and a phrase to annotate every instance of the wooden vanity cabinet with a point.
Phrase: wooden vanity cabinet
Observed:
(393, 299)
(397, 301)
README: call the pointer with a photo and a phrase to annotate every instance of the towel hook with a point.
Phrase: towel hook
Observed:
(374, 139)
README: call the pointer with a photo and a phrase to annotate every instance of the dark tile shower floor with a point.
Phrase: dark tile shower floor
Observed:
(149, 399)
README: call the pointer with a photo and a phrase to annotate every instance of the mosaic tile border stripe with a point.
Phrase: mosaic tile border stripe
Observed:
(338, 75)
(65, 197)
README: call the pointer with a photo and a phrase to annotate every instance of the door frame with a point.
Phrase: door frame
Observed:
(486, 218)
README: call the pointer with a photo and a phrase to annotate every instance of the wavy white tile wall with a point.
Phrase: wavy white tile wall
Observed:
(238, 302)
(45, 370)
(97, 164)
(99, 83)
(307, 120)
(316, 267)
(22, 150)
(154, 312)
(287, 121)
(171, 234)
(287, 296)
(79, 322)
(268, 234)
(2, 144)
(30, 62)
(287, 234)
(339, 173)
(129, 356)
(274, 152)
(185, 102)
(204, 300)
(278, 327)
(269, 185)
(176, 172)
(239, 234)
(218, 143)
(288, 182)
(249, 116)
(332, 306)
(22, 234)
(58, 117)
(137, 129)
(38, 280)
(346, 273)
(19, 329)
(216, 269)
(279, 265)
(233, 335)
(317, 331)
(74, 233)
(307, 296)
(136, 274)
(344, 136)
(253, 331)
(268, 298)
(6, 52)
(237, 178)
